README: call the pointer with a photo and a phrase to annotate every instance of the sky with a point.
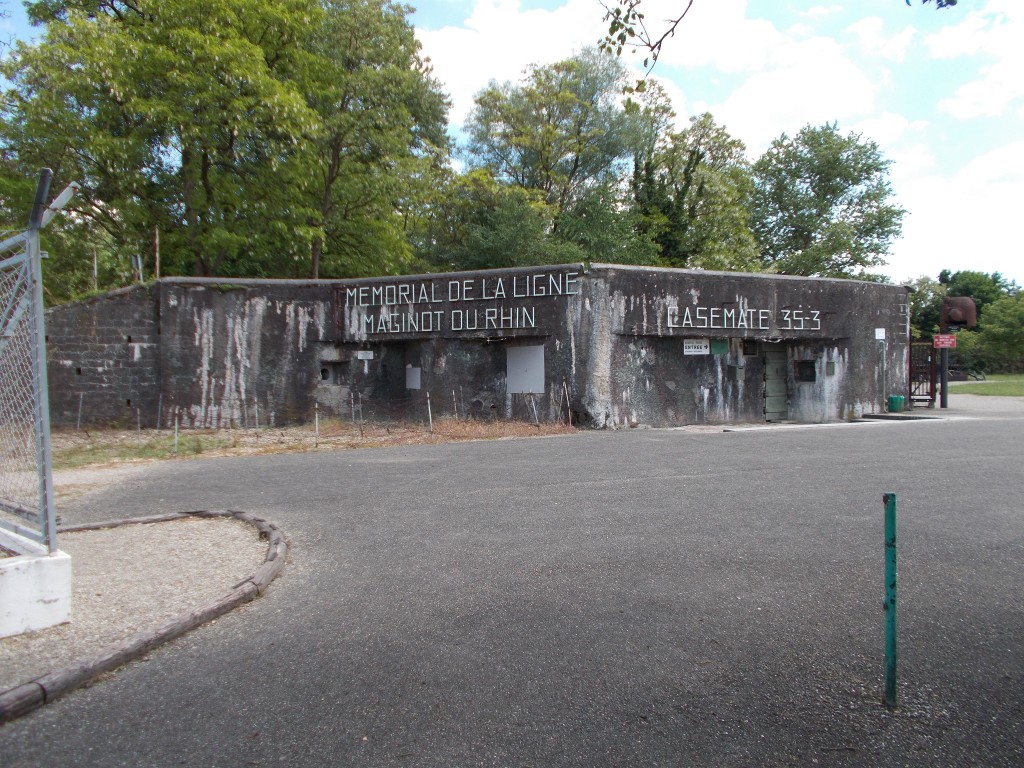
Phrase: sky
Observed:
(940, 92)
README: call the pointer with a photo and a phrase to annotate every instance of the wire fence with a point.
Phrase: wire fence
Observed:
(23, 492)
(90, 409)
(342, 419)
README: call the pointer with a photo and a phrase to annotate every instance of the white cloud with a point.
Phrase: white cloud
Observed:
(870, 33)
(759, 79)
(901, 141)
(964, 39)
(989, 97)
(995, 32)
(822, 11)
(789, 94)
(910, 162)
(716, 34)
(966, 221)
(499, 40)
(885, 129)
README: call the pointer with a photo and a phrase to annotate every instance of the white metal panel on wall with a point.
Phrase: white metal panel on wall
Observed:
(525, 370)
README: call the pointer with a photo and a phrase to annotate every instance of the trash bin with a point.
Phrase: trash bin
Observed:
(895, 406)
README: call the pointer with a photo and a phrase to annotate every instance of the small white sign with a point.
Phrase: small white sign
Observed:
(364, 354)
(525, 370)
(412, 376)
(879, 334)
(696, 346)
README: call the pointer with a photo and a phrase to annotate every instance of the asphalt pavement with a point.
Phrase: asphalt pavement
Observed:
(643, 597)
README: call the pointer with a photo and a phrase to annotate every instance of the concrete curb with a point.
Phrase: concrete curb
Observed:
(23, 698)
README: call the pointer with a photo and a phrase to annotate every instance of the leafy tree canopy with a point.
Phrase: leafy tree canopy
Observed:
(1002, 333)
(560, 132)
(478, 222)
(258, 137)
(983, 287)
(692, 192)
(563, 136)
(821, 204)
(998, 342)
(925, 303)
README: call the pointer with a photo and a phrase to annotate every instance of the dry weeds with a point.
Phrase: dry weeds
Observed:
(73, 449)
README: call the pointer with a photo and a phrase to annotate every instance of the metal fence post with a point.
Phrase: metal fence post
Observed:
(42, 402)
(889, 500)
(26, 473)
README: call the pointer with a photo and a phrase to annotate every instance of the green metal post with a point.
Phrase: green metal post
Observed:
(889, 500)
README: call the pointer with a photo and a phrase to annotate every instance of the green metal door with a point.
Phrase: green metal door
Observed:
(776, 391)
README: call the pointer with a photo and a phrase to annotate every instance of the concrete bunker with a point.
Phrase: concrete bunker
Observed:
(604, 346)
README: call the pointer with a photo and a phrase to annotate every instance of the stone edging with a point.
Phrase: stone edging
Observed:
(23, 698)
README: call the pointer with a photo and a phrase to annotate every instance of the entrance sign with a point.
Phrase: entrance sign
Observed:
(944, 341)
(696, 346)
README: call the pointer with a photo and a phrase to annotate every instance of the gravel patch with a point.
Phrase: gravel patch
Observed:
(130, 578)
(72, 484)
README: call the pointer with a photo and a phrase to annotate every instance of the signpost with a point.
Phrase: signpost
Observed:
(944, 342)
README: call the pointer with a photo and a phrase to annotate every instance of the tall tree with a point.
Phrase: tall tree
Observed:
(1002, 333)
(177, 115)
(983, 287)
(383, 121)
(821, 204)
(606, 228)
(692, 193)
(478, 222)
(925, 303)
(562, 132)
(260, 137)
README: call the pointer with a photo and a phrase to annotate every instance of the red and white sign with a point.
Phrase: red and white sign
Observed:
(944, 341)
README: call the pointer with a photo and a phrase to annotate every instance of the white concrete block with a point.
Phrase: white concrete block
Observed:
(35, 592)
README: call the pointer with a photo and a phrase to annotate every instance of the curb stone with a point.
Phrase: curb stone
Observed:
(22, 699)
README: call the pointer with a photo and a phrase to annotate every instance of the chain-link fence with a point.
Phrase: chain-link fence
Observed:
(22, 496)
(26, 479)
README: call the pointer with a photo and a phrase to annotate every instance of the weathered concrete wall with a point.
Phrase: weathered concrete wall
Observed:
(838, 367)
(615, 346)
(214, 352)
(456, 328)
(237, 351)
(103, 355)
(615, 341)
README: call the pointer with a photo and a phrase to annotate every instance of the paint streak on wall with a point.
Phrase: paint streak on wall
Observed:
(231, 383)
(606, 312)
(202, 324)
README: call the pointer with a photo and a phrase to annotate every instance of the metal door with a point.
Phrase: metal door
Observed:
(776, 389)
(922, 374)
